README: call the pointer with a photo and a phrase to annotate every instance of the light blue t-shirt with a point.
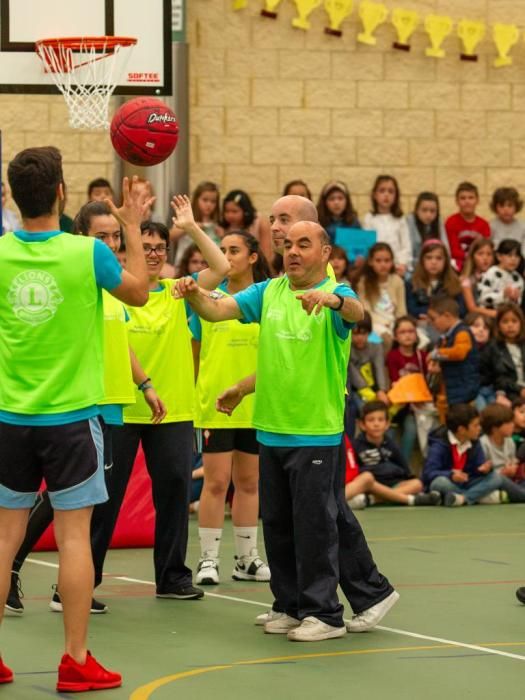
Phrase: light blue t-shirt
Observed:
(250, 302)
(108, 275)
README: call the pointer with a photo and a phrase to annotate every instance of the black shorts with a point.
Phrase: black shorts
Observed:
(229, 439)
(68, 457)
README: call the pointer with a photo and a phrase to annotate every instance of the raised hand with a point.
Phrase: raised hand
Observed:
(136, 202)
(185, 287)
(183, 215)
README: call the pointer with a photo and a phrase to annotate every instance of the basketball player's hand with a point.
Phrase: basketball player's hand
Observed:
(183, 215)
(486, 467)
(315, 300)
(136, 203)
(158, 410)
(229, 400)
(458, 476)
(185, 287)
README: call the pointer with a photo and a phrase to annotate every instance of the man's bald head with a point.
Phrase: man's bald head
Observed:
(298, 208)
(312, 229)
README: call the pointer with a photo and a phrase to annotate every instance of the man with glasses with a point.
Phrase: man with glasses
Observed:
(160, 338)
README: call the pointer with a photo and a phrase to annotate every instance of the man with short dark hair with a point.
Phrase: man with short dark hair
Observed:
(52, 381)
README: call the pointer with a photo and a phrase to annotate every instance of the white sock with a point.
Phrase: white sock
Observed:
(411, 500)
(245, 541)
(371, 499)
(210, 539)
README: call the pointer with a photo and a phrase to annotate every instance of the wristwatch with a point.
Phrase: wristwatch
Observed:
(341, 302)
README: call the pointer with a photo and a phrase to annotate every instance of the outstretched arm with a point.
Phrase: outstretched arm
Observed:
(218, 265)
(208, 308)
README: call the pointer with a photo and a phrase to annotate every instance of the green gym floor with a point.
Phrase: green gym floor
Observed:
(457, 632)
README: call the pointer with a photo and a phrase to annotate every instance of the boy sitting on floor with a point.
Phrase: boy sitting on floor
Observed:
(378, 455)
(497, 422)
(455, 464)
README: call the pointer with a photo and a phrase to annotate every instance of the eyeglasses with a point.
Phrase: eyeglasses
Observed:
(157, 249)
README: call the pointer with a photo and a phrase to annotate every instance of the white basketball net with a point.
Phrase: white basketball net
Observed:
(86, 76)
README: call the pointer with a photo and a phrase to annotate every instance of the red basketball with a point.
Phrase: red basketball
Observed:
(144, 131)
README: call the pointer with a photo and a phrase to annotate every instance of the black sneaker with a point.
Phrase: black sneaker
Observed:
(188, 592)
(427, 499)
(97, 608)
(13, 602)
(520, 594)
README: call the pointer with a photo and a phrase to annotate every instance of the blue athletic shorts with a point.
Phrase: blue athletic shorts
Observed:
(70, 458)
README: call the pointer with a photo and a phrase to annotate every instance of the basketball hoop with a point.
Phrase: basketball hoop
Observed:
(86, 70)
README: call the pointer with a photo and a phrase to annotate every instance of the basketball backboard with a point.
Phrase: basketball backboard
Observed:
(22, 22)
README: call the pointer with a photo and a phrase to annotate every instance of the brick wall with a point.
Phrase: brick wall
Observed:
(270, 103)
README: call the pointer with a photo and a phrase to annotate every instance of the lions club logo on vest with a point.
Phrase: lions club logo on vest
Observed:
(34, 296)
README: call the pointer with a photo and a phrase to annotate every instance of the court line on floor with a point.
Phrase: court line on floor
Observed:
(393, 630)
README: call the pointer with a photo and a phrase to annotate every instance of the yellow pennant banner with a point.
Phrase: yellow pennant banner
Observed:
(337, 11)
(305, 9)
(405, 23)
(371, 14)
(438, 27)
(505, 37)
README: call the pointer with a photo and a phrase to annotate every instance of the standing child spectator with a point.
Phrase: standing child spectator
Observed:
(238, 213)
(465, 226)
(403, 359)
(480, 258)
(382, 291)
(205, 205)
(502, 362)
(335, 208)
(298, 187)
(433, 277)
(192, 262)
(340, 264)
(425, 223)
(99, 190)
(387, 220)
(455, 464)
(503, 282)
(506, 203)
(367, 378)
(497, 423)
(377, 453)
(455, 356)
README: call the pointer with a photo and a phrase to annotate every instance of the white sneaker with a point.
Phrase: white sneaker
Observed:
(250, 568)
(491, 499)
(358, 502)
(207, 572)
(263, 617)
(313, 630)
(368, 619)
(280, 623)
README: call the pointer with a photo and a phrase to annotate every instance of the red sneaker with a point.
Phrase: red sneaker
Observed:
(75, 677)
(6, 675)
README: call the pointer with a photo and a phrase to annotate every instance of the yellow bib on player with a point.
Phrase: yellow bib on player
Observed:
(160, 338)
(118, 380)
(228, 354)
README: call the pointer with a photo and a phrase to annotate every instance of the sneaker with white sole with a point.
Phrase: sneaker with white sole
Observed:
(313, 630)
(250, 568)
(207, 572)
(280, 623)
(262, 618)
(358, 502)
(55, 605)
(13, 603)
(368, 619)
(491, 499)
(453, 500)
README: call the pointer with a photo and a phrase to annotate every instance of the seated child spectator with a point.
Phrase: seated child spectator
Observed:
(425, 223)
(518, 410)
(377, 453)
(506, 203)
(502, 282)
(357, 484)
(502, 361)
(480, 258)
(99, 189)
(497, 423)
(455, 355)
(433, 277)
(367, 378)
(482, 328)
(340, 264)
(403, 359)
(455, 464)
(382, 291)
(465, 226)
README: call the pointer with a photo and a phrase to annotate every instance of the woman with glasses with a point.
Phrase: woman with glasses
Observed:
(160, 338)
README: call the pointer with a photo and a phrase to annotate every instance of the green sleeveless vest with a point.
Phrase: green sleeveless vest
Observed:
(51, 337)
(301, 366)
